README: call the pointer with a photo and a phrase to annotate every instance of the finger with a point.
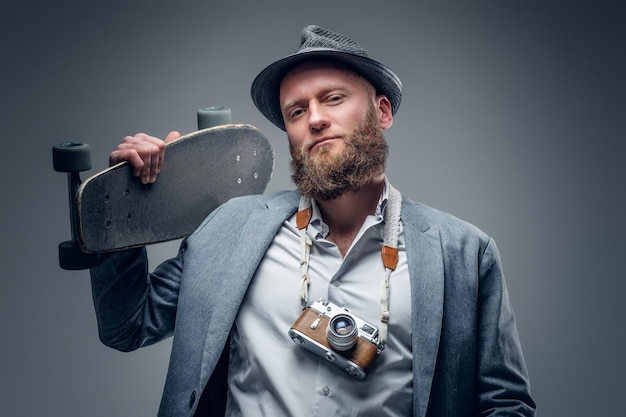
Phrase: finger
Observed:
(130, 155)
(154, 164)
(148, 172)
(149, 150)
(161, 156)
(156, 159)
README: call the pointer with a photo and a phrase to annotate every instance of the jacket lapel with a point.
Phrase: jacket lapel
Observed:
(253, 239)
(426, 272)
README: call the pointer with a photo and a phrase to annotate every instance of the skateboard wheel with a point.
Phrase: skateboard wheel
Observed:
(71, 257)
(71, 157)
(214, 116)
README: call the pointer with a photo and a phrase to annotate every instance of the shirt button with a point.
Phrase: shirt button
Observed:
(326, 391)
(336, 283)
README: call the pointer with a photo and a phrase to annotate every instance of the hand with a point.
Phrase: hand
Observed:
(145, 154)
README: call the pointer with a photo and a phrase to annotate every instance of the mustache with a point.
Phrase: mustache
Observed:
(302, 151)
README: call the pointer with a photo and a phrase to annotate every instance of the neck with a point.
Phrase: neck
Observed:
(346, 214)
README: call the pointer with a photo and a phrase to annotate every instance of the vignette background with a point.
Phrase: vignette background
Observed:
(512, 118)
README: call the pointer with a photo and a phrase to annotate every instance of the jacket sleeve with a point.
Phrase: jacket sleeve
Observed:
(135, 308)
(502, 384)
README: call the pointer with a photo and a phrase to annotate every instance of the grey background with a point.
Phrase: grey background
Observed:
(512, 118)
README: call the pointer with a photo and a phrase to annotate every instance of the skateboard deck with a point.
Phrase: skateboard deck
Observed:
(200, 171)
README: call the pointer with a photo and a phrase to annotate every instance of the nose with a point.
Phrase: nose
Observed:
(318, 118)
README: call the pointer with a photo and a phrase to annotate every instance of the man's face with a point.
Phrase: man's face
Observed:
(334, 123)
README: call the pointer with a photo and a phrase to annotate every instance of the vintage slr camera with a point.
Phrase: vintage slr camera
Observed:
(331, 332)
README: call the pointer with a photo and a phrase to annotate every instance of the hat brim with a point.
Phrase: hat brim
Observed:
(265, 88)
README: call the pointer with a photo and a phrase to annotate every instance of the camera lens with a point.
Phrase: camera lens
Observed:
(342, 332)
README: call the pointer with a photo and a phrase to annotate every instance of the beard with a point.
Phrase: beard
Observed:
(332, 174)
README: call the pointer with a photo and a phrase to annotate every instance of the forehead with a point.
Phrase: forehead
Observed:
(322, 71)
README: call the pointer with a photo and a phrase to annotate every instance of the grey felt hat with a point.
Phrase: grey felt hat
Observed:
(317, 42)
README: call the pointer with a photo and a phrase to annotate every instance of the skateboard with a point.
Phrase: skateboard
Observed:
(112, 210)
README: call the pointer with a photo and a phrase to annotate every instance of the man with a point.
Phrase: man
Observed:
(447, 342)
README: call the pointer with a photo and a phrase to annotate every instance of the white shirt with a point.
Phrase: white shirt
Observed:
(271, 376)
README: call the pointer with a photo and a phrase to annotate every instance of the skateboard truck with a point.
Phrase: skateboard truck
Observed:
(74, 158)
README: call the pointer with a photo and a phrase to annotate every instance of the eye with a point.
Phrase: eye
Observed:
(334, 98)
(295, 112)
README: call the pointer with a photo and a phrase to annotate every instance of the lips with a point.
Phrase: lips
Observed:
(322, 141)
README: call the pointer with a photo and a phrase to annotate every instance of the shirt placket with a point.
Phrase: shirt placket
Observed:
(330, 269)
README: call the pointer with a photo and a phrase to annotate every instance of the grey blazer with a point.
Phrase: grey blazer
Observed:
(467, 359)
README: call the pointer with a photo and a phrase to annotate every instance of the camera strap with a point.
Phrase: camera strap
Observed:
(389, 252)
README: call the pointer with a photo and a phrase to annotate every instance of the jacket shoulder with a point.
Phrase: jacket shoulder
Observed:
(237, 211)
(274, 199)
(449, 226)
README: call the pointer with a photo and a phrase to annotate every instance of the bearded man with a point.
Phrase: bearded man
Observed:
(425, 289)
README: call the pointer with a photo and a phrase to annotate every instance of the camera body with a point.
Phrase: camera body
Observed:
(331, 332)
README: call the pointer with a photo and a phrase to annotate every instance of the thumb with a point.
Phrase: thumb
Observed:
(171, 136)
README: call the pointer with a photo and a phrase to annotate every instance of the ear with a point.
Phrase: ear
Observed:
(385, 116)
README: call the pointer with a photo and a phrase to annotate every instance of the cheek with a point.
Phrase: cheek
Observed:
(296, 138)
(355, 117)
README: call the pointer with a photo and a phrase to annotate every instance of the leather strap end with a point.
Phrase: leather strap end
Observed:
(390, 257)
(303, 217)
